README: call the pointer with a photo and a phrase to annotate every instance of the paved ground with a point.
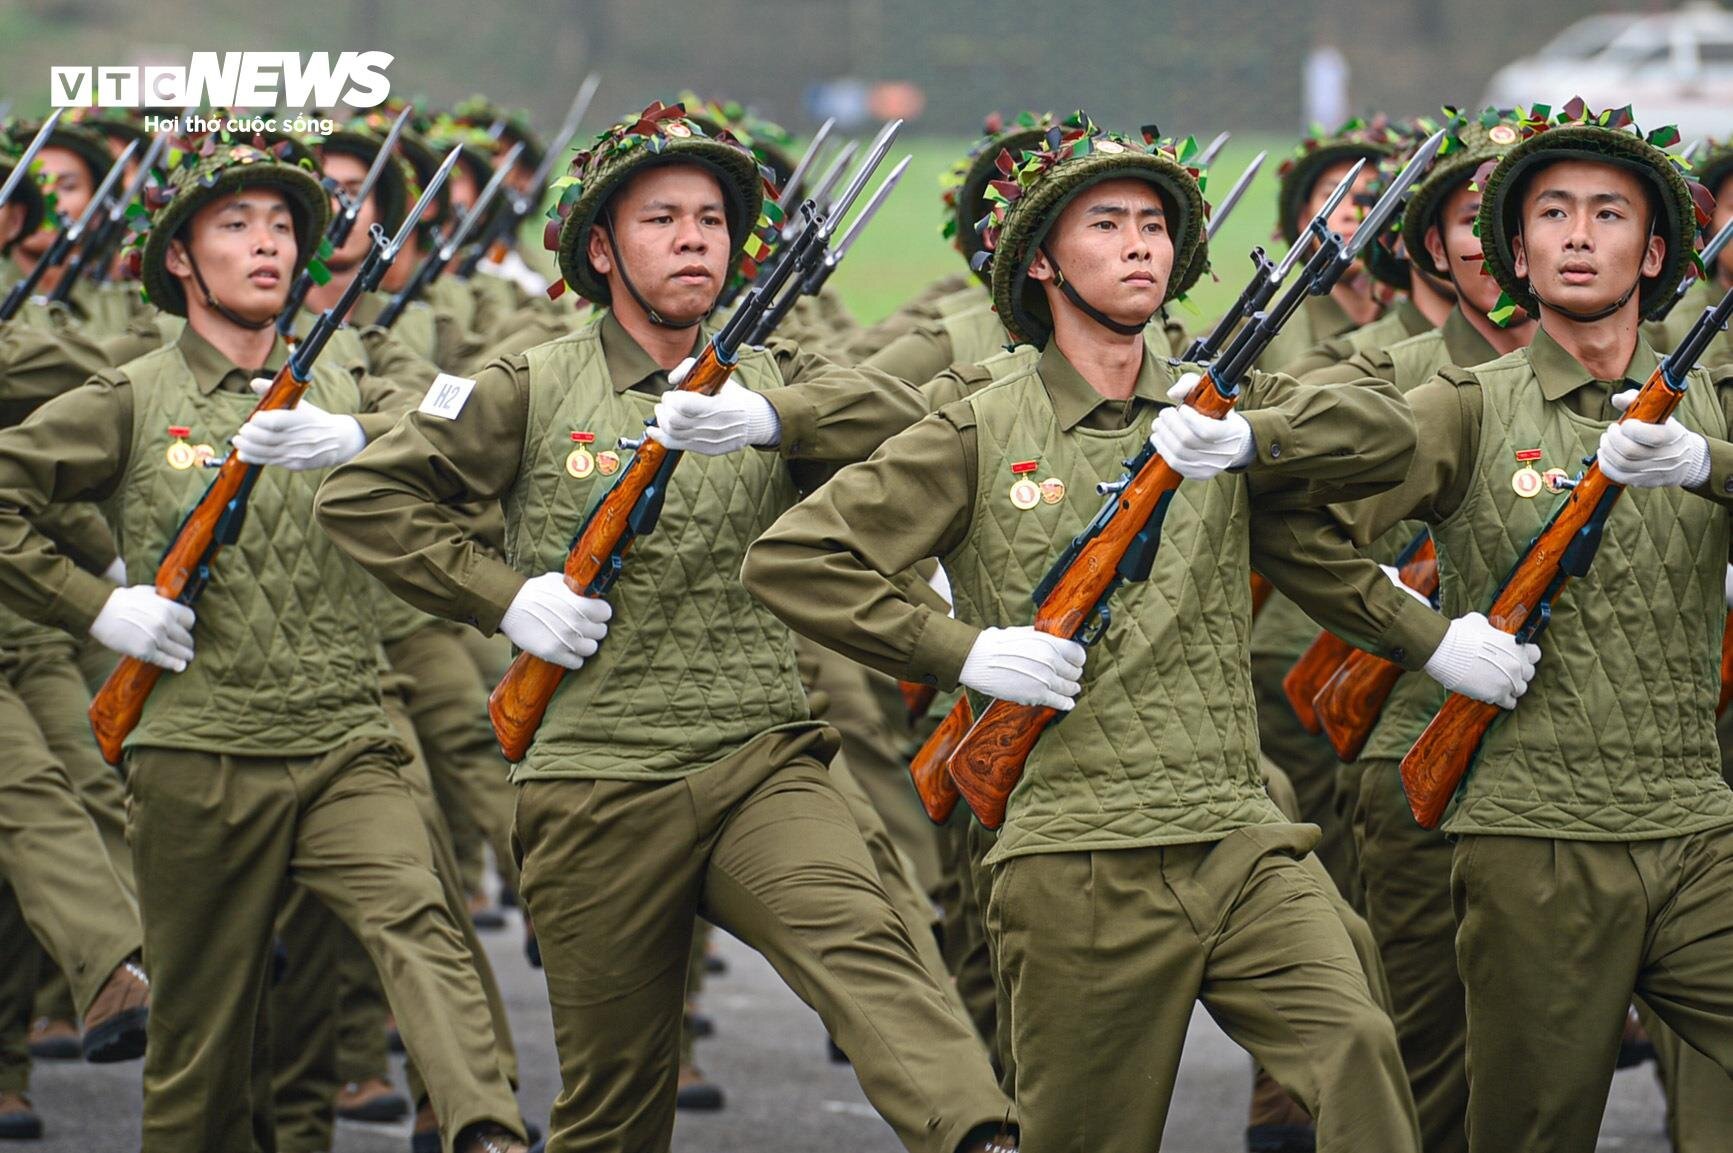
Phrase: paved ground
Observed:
(783, 1094)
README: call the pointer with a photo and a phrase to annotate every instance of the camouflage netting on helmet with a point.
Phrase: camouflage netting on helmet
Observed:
(1356, 140)
(1386, 258)
(29, 192)
(512, 124)
(1608, 137)
(964, 187)
(1470, 140)
(89, 146)
(1715, 165)
(771, 143)
(1030, 192)
(205, 169)
(122, 125)
(414, 149)
(660, 135)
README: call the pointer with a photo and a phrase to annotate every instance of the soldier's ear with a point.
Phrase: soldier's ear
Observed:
(601, 259)
(1434, 242)
(1041, 269)
(175, 259)
(1654, 255)
(1518, 257)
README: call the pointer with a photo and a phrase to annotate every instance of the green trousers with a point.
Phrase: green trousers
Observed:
(447, 703)
(1553, 940)
(1106, 953)
(215, 841)
(1405, 872)
(761, 845)
(1311, 765)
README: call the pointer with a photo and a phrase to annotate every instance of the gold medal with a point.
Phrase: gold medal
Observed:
(181, 455)
(1025, 493)
(608, 462)
(1556, 479)
(205, 454)
(1526, 482)
(579, 462)
(1052, 490)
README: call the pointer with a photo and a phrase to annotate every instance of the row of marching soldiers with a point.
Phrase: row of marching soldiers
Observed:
(296, 835)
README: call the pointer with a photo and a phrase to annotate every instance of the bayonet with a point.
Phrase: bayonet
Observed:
(791, 191)
(1226, 207)
(66, 238)
(1207, 157)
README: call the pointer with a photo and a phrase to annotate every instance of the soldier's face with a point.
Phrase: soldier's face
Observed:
(1723, 213)
(350, 172)
(1456, 248)
(65, 175)
(11, 220)
(463, 190)
(1585, 236)
(1112, 243)
(1347, 216)
(671, 232)
(245, 247)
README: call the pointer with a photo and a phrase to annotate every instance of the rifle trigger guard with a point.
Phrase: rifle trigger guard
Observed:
(1096, 626)
(1537, 623)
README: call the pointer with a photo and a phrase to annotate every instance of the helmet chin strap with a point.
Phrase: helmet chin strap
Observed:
(655, 317)
(1087, 309)
(218, 307)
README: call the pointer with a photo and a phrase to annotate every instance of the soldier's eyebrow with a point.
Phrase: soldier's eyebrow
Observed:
(1571, 198)
(670, 206)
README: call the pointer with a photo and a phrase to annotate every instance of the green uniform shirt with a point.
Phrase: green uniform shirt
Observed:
(1401, 322)
(921, 308)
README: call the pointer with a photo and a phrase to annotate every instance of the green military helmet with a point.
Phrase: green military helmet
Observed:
(29, 193)
(119, 126)
(1713, 168)
(660, 135)
(771, 143)
(475, 157)
(1609, 137)
(396, 187)
(1471, 139)
(1075, 156)
(203, 170)
(992, 157)
(1388, 266)
(90, 148)
(1356, 140)
(505, 126)
(412, 146)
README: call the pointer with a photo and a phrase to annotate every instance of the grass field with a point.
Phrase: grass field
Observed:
(901, 251)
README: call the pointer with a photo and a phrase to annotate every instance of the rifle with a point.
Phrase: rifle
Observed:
(94, 254)
(342, 224)
(1711, 254)
(216, 519)
(1352, 698)
(21, 168)
(495, 242)
(825, 260)
(792, 223)
(633, 503)
(917, 699)
(1564, 548)
(436, 262)
(1120, 543)
(1211, 150)
(69, 235)
(930, 767)
(1726, 667)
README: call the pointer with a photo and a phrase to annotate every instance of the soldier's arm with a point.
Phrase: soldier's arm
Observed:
(1719, 486)
(833, 413)
(917, 355)
(389, 358)
(36, 366)
(1312, 554)
(73, 448)
(1316, 444)
(834, 566)
(1324, 355)
(411, 507)
(953, 384)
(1373, 364)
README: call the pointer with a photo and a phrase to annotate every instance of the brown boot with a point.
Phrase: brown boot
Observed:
(375, 1099)
(695, 1093)
(54, 1039)
(1278, 1124)
(488, 1137)
(114, 1026)
(18, 1121)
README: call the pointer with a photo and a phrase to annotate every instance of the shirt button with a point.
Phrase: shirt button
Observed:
(1727, 485)
(1398, 654)
(1275, 449)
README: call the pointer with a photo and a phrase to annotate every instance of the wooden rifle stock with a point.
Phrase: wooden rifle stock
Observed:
(989, 761)
(181, 575)
(1433, 769)
(917, 698)
(1261, 590)
(1726, 667)
(1315, 667)
(930, 769)
(517, 703)
(1352, 699)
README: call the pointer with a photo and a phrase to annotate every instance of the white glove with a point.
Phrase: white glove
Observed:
(1647, 455)
(714, 425)
(115, 573)
(548, 620)
(1482, 662)
(1025, 666)
(298, 438)
(1395, 575)
(1198, 446)
(1729, 589)
(136, 622)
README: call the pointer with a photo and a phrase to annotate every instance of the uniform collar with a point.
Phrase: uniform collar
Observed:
(1074, 399)
(212, 370)
(1463, 342)
(1412, 320)
(1560, 374)
(1328, 318)
(628, 364)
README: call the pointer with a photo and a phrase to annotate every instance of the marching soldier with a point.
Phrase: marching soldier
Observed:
(1109, 801)
(678, 761)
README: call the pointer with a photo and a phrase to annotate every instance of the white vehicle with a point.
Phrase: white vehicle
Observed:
(1671, 67)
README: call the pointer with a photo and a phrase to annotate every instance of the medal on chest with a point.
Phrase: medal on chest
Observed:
(1525, 481)
(580, 462)
(1025, 493)
(180, 455)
